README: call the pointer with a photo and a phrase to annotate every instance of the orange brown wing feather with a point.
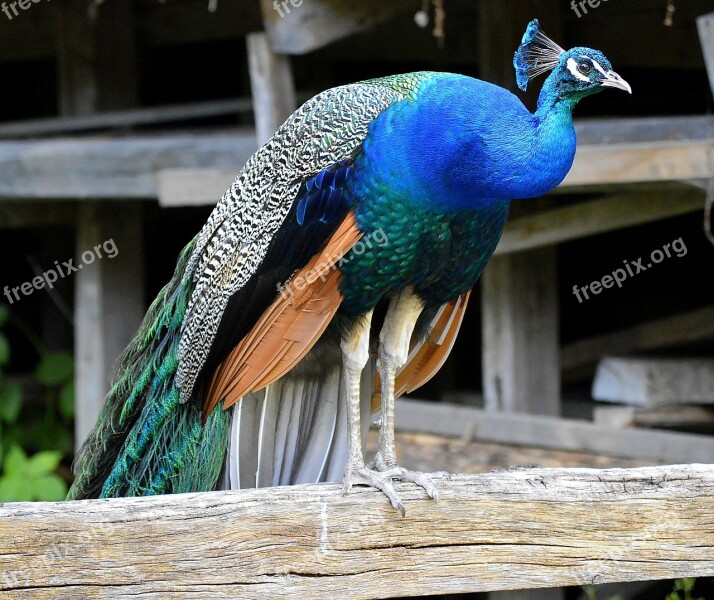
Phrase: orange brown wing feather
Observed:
(288, 328)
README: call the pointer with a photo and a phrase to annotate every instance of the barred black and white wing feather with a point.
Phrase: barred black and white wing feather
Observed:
(326, 130)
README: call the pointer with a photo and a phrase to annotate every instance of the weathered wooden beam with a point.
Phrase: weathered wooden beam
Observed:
(96, 168)
(549, 432)
(595, 216)
(521, 368)
(124, 118)
(675, 417)
(640, 162)
(271, 84)
(191, 187)
(299, 26)
(505, 530)
(677, 329)
(654, 382)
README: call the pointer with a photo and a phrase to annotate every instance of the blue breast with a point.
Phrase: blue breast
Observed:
(464, 143)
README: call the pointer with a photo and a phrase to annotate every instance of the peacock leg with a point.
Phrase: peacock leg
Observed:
(355, 353)
(394, 341)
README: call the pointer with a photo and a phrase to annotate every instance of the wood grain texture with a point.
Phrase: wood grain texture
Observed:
(505, 530)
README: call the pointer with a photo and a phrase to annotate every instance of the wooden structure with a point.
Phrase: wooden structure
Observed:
(510, 529)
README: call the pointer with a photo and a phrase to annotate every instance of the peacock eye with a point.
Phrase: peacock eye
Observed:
(585, 67)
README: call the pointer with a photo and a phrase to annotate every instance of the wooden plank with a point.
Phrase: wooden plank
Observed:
(640, 162)
(298, 27)
(595, 216)
(674, 417)
(654, 382)
(549, 432)
(109, 301)
(705, 27)
(271, 84)
(506, 530)
(192, 187)
(95, 168)
(642, 129)
(660, 333)
(521, 369)
(124, 118)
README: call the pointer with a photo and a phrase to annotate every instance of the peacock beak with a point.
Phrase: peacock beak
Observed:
(613, 80)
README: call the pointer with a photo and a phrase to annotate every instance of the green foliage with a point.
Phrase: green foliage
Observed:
(686, 587)
(35, 439)
(26, 479)
(55, 369)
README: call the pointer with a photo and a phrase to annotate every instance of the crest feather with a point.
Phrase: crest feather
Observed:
(537, 54)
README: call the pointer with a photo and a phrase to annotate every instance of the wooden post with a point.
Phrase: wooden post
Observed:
(109, 302)
(521, 368)
(271, 83)
(109, 298)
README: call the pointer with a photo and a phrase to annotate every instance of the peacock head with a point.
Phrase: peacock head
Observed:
(576, 73)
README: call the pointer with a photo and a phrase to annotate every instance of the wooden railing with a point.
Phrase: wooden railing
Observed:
(510, 529)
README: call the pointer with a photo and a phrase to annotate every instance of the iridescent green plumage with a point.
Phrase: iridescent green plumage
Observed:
(145, 442)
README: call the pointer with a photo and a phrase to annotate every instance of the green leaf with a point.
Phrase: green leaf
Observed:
(4, 350)
(49, 489)
(4, 314)
(15, 489)
(15, 461)
(66, 400)
(42, 463)
(55, 369)
(10, 401)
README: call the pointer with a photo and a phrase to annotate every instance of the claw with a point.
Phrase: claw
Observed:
(364, 476)
(378, 476)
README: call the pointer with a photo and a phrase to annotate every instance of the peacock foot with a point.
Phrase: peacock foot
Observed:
(380, 476)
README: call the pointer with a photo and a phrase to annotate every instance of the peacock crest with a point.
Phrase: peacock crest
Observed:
(536, 55)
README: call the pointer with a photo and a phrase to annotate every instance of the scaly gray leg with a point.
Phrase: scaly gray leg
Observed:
(355, 353)
(394, 341)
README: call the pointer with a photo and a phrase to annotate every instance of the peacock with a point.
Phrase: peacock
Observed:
(331, 278)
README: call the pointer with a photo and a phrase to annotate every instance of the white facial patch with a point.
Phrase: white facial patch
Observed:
(596, 64)
(573, 68)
